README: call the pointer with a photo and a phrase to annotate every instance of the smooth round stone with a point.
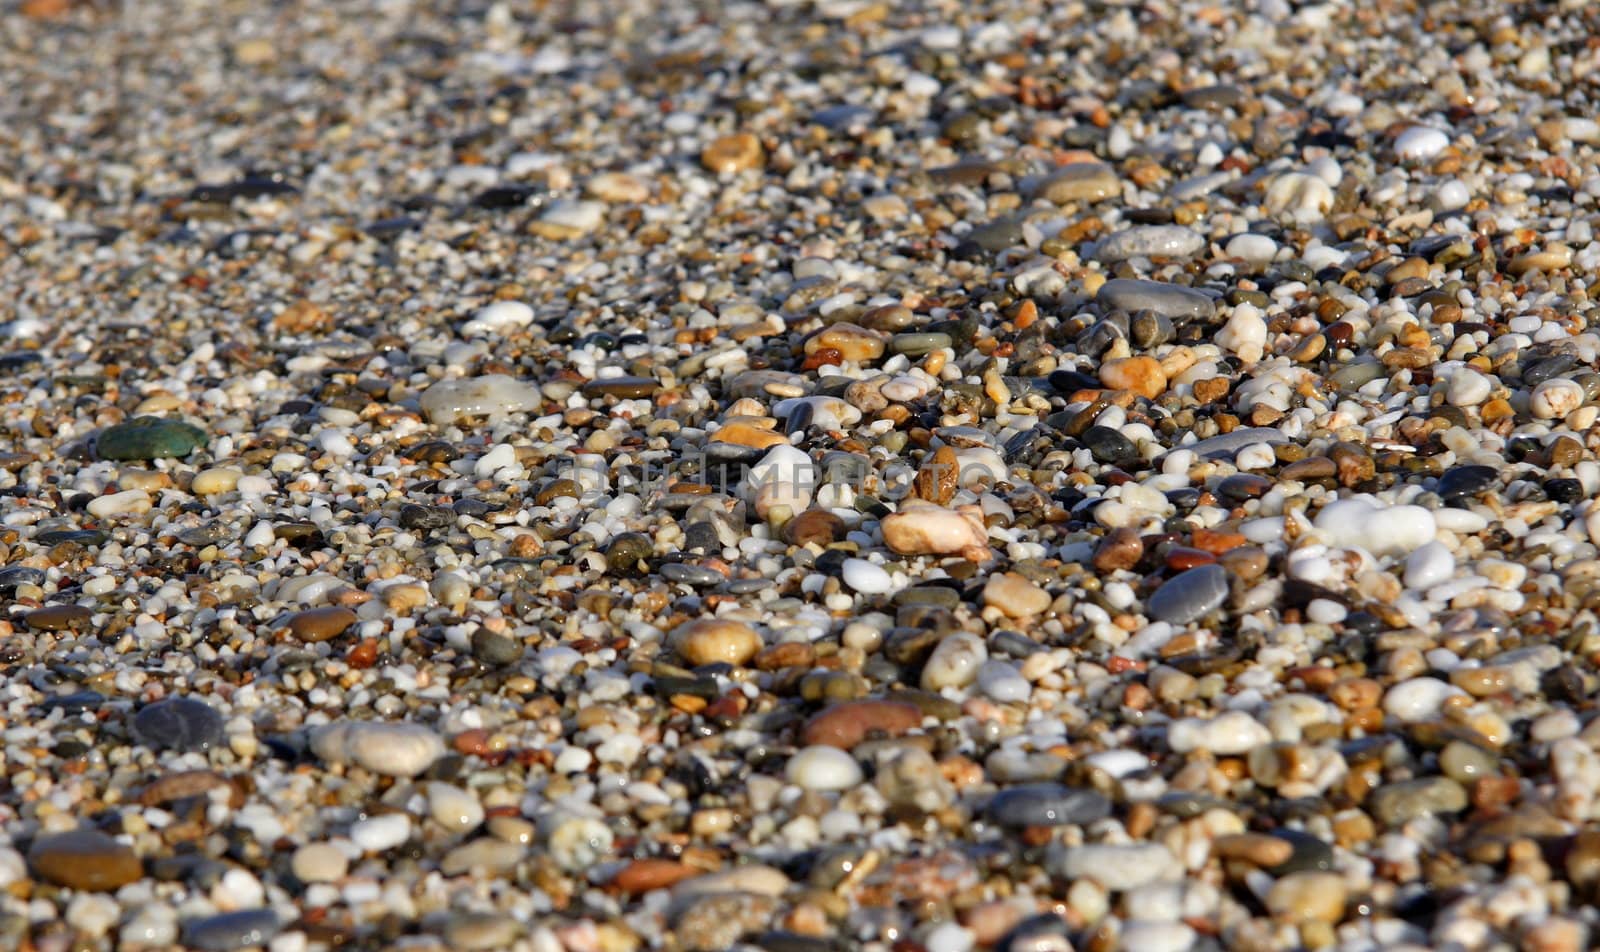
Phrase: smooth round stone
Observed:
(624, 388)
(148, 437)
(485, 856)
(1233, 732)
(825, 768)
(1397, 803)
(1459, 482)
(84, 859)
(244, 929)
(454, 808)
(377, 834)
(1468, 388)
(1174, 301)
(1117, 867)
(321, 624)
(179, 723)
(1080, 182)
(866, 577)
(1015, 596)
(394, 750)
(1429, 565)
(1109, 446)
(475, 931)
(1189, 595)
(954, 662)
(1002, 682)
(492, 396)
(919, 344)
(1046, 804)
(1308, 853)
(1358, 523)
(1156, 935)
(715, 640)
(1308, 897)
(1465, 763)
(319, 863)
(1418, 699)
(1419, 143)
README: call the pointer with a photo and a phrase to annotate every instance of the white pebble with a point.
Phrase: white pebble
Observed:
(823, 768)
(1419, 143)
(955, 662)
(1554, 399)
(866, 577)
(497, 317)
(378, 833)
(1429, 565)
(1418, 699)
(1231, 733)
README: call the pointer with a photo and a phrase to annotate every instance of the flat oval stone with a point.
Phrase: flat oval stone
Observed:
(1149, 241)
(1225, 445)
(232, 930)
(179, 723)
(1459, 482)
(1189, 595)
(626, 388)
(149, 437)
(84, 859)
(321, 624)
(1396, 803)
(1047, 804)
(57, 617)
(1176, 302)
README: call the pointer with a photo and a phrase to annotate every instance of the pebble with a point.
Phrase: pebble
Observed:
(180, 724)
(244, 929)
(1234, 732)
(1170, 300)
(1149, 241)
(1117, 867)
(319, 863)
(1047, 804)
(390, 749)
(1189, 595)
(921, 528)
(149, 438)
(955, 662)
(865, 577)
(821, 767)
(715, 640)
(1015, 596)
(1310, 896)
(84, 859)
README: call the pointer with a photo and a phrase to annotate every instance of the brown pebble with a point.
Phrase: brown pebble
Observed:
(644, 875)
(735, 152)
(790, 654)
(848, 724)
(937, 479)
(814, 525)
(57, 617)
(321, 624)
(84, 859)
(1309, 469)
(1119, 549)
(714, 640)
(1257, 848)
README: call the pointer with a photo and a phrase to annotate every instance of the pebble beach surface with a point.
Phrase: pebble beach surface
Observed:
(796, 476)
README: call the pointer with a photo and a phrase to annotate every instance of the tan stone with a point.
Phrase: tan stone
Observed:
(321, 624)
(921, 528)
(745, 433)
(733, 153)
(1141, 375)
(714, 640)
(1015, 596)
(853, 342)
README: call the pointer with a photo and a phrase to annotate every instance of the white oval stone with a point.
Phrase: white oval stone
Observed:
(866, 577)
(1233, 732)
(454, 808)
(497, 317)
(823, 768)
(955, 662)
(395, 750)
(1418, 699)
(1420, 142)
(378, 833)
(1429, 565)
